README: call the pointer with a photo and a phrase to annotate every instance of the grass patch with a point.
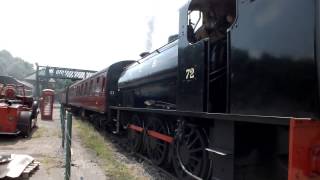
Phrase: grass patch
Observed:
(45, 132)
(93, 140)
(39, 132)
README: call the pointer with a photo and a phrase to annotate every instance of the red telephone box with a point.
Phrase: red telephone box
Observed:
(47, 99)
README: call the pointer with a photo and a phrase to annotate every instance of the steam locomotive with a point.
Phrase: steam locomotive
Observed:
(235, 97)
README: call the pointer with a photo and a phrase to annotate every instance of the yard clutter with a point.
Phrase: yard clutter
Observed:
(18, 109)
(16, 165)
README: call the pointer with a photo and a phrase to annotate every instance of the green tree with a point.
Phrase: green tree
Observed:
(14, 66)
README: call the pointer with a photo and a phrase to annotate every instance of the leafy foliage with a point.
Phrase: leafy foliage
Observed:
(14, 66)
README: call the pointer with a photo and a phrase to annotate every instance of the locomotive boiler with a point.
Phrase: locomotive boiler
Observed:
(152, 80)
(235, 97)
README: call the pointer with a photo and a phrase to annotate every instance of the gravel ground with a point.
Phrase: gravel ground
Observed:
(45, 146)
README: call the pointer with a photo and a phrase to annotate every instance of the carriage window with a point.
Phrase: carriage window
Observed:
(91, 87)
(86, 88)
(103, 84)
(97, 87)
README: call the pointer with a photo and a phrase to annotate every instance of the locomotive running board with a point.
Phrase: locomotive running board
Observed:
(217, 116)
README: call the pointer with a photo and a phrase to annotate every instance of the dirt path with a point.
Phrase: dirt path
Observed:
(45, 146)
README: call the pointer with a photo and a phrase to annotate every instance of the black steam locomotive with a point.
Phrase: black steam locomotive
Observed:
(235, 97)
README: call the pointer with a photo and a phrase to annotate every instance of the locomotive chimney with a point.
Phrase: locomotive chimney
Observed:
(144, 54)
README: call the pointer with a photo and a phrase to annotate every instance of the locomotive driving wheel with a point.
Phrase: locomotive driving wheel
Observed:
(134, 135)
(157, 149)
(190, 152)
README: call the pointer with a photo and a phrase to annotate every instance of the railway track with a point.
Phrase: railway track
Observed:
(162, 170)
(121, 142)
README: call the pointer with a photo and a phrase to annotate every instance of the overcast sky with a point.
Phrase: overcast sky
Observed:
(86, 34)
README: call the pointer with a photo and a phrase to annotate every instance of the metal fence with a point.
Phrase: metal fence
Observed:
(66, 130)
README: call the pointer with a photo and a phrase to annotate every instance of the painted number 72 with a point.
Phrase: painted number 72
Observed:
(190, 73)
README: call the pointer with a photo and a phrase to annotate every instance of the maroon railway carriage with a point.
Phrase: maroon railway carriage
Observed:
(89, 96)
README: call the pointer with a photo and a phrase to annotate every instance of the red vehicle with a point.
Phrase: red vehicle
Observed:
(18, 110)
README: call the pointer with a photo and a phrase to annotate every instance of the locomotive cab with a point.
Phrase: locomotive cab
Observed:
(203, 54)
(235, 57)
(250, 58)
